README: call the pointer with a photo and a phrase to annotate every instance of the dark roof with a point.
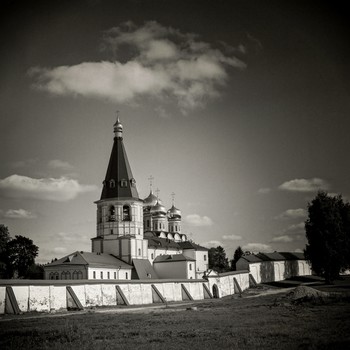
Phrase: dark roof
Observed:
(252, 258)
(293, 256)
(270, 256)
(157, 242)
(144, 269)
(91, 259)
(172, 258)
(191, 245)
(118, 170)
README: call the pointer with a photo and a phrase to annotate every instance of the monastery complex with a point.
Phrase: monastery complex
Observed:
(136, 238)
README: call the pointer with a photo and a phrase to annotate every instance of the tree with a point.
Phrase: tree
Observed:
(217, 259)
(236, 256)
(21, 255)
(328, 234)
(4, 239)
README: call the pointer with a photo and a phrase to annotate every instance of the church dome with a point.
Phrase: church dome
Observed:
(158, 209)
(174, 213)
(151, 200)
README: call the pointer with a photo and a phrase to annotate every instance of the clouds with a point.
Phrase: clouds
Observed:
(197, 220)
(152, 61)
(283, 239)
(212, 244)
(61, 189)
(257, 247)
(304, 185)
(59, 164)
(19, 214)
(231, 237)
(292, 214)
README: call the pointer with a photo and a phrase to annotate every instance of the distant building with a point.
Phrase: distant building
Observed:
(268, 267)
(135, 238)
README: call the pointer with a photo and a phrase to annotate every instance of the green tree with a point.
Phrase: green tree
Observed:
(218, 260)
(328, 234)
(21, 255)
(236, 256)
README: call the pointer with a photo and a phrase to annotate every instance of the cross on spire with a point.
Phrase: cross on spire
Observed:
(173, 197)
(157, 191)
(151, 178)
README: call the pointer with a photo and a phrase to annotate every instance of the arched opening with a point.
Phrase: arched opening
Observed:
(215, 291)
(126, 213)
(112, 213)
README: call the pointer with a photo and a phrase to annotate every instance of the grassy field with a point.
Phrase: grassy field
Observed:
(269, 321)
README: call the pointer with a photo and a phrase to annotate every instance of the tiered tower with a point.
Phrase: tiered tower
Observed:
(120, 210)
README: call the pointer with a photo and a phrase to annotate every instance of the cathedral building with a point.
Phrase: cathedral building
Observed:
(135, 238)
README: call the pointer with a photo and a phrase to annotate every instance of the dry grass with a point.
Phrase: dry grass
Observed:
(265, 322)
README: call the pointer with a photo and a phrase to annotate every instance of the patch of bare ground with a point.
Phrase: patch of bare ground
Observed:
(271, 321)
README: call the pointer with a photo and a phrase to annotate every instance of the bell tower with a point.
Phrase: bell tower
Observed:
(120, 210)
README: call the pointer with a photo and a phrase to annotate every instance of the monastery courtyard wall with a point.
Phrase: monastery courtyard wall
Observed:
(17, 296)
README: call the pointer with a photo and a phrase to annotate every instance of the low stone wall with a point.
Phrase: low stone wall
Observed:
(49, 295)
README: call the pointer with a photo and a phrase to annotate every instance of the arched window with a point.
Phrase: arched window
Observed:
(139, 251)
(126, 213)
(56, 276)
(75, 275)
(112, 213)
(112, 183)
(80, 275)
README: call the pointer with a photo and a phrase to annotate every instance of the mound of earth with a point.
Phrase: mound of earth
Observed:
(304, 293)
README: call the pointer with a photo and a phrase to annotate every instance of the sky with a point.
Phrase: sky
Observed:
(241, 108)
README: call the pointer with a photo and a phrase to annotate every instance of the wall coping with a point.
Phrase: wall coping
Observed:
(24, 282)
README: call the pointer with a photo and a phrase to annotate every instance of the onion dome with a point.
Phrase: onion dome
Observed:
(158, 209)
(174, 213)
(151, 200)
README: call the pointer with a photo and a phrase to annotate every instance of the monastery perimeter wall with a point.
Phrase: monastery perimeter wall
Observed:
(17, 296)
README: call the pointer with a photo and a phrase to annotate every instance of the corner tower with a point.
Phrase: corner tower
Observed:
(120, 210)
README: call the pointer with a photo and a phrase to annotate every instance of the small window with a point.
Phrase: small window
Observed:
(123, 183)
(101, 275)
(112, 232)
(205, 258)
(139, 251)
(108, 275)
(133, 182)
(115, 275)
(126, 275)
(147, 223)
(94, 274)
(152, 256)
(190, 267)
(112, 183)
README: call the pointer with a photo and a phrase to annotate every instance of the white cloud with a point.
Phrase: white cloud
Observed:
(304, 185)
(298, 250)
(231, 237)
(296, 228)
(60, 190)
(292, 214)
(19, 214)
(162, 62)
(257, 247)
(264, 190)
(212, 244)
(284, 239)
(59, 164)
(197, 220)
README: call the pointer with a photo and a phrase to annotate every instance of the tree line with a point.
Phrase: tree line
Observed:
(17, 256)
